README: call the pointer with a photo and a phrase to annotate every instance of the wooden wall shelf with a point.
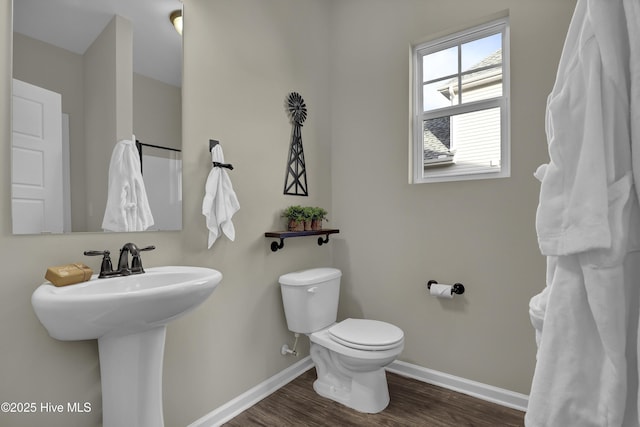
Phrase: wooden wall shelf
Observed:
(287, 234)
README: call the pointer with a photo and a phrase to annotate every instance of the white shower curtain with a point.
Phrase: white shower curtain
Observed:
(588, 225)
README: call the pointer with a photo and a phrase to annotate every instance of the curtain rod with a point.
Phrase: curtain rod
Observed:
(157, 146)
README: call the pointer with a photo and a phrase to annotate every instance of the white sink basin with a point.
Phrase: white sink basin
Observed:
(124, 304)
(128, 315)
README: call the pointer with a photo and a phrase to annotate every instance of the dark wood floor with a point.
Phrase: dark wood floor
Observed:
(413, 403)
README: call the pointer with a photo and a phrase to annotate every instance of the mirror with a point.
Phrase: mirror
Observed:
(91, 74)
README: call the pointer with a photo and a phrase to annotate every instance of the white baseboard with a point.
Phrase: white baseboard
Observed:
(486, 392)
(249, 398)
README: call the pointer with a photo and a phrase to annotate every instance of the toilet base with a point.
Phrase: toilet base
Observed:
(362, 397)
(363, 391)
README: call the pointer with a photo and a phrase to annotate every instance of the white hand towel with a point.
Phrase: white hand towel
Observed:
(127, 204)
(220, 202)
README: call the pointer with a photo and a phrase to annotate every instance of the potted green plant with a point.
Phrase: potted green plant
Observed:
(317, 216)
(295, 218)
(309, 214)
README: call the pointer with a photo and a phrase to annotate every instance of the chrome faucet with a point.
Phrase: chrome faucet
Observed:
(136, 261)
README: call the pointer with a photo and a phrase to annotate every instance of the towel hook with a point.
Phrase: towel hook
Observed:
(213, 143)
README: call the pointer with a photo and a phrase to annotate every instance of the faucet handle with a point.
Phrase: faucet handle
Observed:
(106, 268)
(136, 261)
(97, 253)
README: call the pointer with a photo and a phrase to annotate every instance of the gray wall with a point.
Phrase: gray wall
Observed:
(397, 236)
(349, 59)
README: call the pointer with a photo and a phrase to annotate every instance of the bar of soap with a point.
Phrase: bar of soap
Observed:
(69, 274)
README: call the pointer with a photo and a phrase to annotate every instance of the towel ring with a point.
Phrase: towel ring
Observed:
(223, 165)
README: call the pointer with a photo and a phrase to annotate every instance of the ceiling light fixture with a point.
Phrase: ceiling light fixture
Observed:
(176, 19)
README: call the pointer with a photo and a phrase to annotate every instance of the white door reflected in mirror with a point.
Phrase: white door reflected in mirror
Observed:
(36, 150)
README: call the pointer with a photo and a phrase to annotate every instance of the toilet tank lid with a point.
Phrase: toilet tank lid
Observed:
(309, 277)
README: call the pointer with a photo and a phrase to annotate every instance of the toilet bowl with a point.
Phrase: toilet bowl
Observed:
(350, 355)
(352, 372)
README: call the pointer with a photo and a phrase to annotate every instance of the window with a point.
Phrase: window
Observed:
(460, 126)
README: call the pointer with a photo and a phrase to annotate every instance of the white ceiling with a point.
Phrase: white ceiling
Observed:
(75, 24)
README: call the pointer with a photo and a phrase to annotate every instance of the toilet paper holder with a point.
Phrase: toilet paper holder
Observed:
(457, 288)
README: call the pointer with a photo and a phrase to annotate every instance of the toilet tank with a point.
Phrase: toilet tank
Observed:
(310, 298)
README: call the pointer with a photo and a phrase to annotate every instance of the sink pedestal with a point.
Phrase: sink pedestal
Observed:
(128, 316)
(131, 374)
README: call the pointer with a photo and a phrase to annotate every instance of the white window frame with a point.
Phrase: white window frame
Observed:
(416, 150)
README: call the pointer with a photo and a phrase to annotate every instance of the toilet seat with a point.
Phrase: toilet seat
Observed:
(365, 334)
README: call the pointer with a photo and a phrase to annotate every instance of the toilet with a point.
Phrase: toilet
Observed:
(350, 355)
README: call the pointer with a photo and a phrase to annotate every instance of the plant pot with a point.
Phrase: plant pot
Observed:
(316, 224)
(294, 225)
(307, 225)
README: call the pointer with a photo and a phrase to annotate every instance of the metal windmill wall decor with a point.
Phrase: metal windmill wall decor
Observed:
(296, 180)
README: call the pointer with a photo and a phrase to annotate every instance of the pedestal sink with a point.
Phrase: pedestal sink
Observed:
(128, 316)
